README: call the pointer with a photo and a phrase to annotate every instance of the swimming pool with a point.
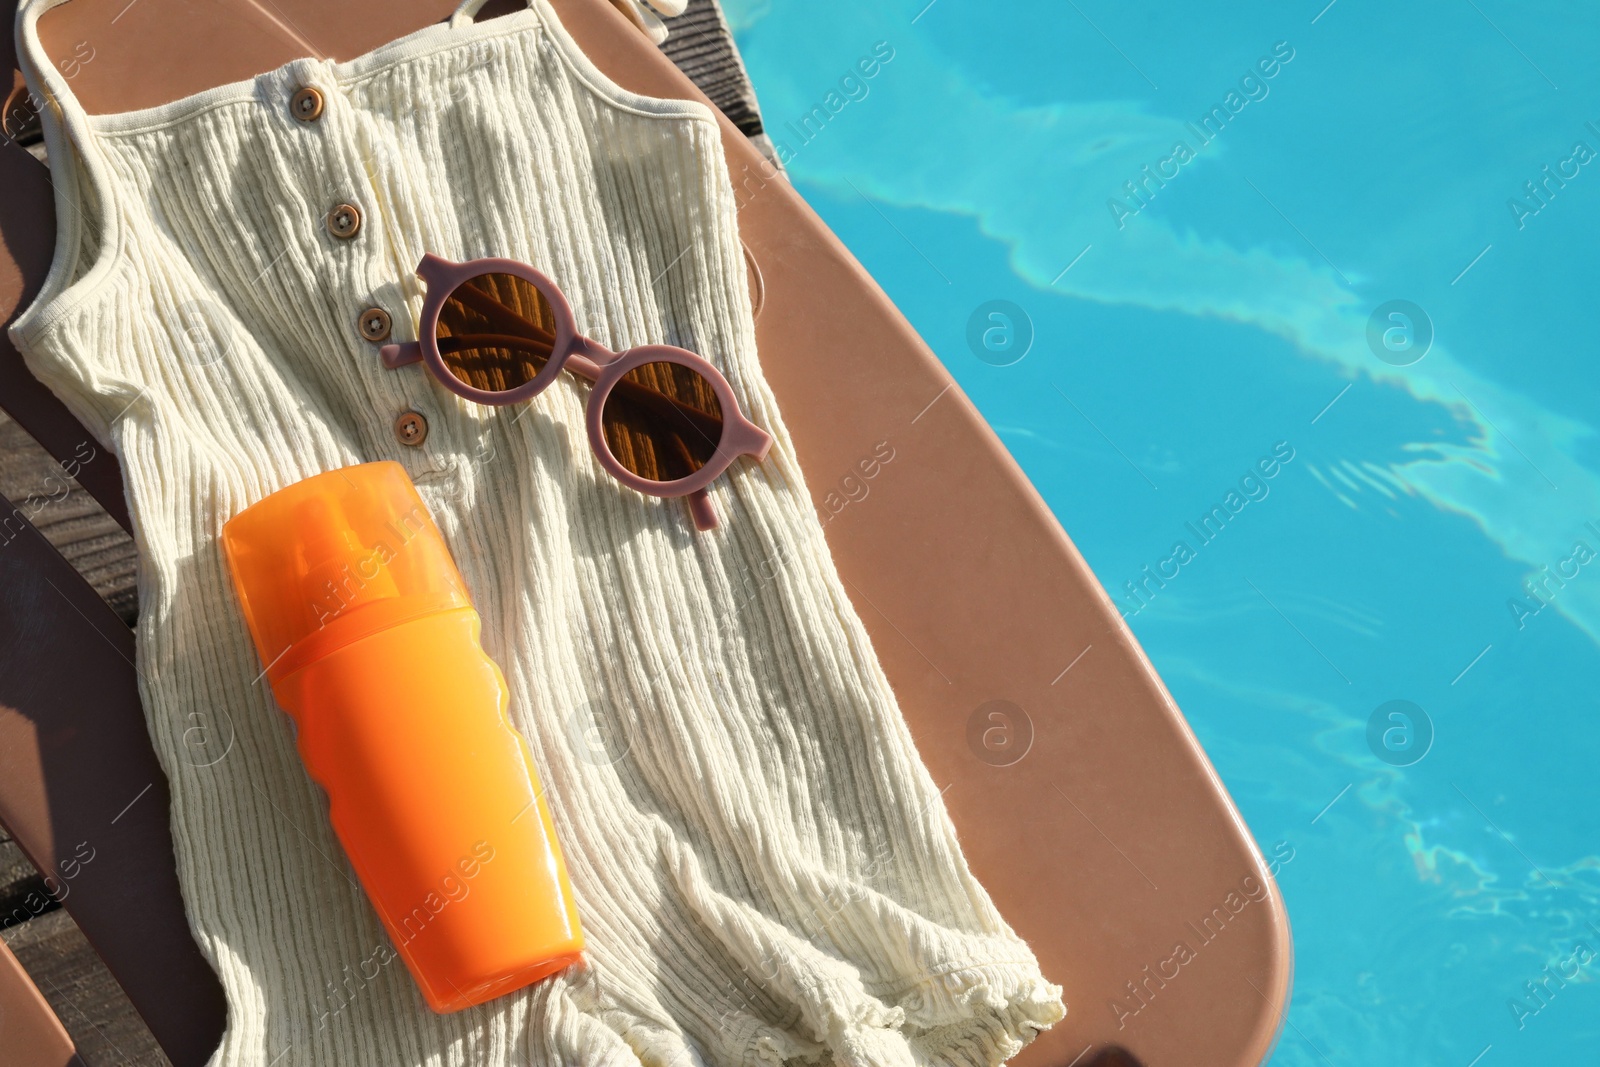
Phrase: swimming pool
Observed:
(1367, 271)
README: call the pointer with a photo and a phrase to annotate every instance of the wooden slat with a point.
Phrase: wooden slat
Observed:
(31, 1034)
(69, 518)
(82, 993)
(700, 44)
(22, 889)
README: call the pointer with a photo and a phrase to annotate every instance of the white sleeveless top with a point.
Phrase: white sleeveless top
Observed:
(764, 868)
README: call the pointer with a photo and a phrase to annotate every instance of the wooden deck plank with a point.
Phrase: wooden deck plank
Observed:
(68, 517)
(82, 993)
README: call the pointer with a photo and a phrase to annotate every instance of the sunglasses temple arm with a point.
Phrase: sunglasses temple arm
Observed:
(400, 355)
(701, 510)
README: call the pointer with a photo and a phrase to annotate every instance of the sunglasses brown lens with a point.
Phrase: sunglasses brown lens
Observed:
(662, 421)
(496, 332)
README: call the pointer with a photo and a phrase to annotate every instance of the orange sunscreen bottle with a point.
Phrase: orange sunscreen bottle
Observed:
(371, 645)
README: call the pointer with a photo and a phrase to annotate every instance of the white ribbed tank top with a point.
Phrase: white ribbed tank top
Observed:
(764, 868)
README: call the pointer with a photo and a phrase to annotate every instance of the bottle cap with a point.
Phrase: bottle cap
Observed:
(334, 558)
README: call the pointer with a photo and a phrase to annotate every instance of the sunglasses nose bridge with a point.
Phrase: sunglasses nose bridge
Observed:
(593, 350)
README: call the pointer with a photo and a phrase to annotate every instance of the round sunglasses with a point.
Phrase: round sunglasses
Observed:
(661, 419)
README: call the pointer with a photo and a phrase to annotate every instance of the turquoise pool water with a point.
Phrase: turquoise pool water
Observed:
(1434, 535)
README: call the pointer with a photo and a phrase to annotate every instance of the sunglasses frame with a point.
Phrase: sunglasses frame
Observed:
(573, 351)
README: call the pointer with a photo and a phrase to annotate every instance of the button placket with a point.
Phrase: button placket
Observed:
(345, 221)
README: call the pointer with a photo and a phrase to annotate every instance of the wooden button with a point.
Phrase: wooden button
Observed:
(375, 324)
(344, 221)
(306, 105)
(410, 428)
